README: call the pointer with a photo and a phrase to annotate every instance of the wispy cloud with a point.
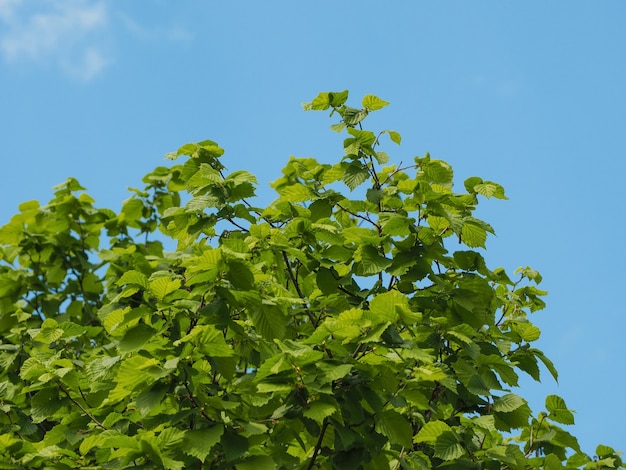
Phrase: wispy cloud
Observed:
(66, 33)
(154, 34)
(6, 8)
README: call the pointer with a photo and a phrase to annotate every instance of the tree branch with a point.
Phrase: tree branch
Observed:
(92, 417)
(318, 445)
(296, 286)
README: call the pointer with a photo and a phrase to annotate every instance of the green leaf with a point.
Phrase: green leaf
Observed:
(325, 100)
(397, 225)
(555, 403)
(508, 403)
(510, 420)
(438, 171)
(354, 175)
(101, 367)
(396, 427)
(272, 366)
(372, 262)
(332, 372)
(326, 281)
(558, 410)
(447, 446)
(234, 445)
(337, 98)
(565, 439)
(210, 340)
(604, 451)
(199, 442)
(547, 362)
(353, 116)
(133, 211)
(150, 399)
(269, 321)
(241, 176)
(339, 127)
(527, 331)
(361, 139)
(551, 462)
(431, 431)
(135, 338)
(373, 102)
(386, 306)
(133, 372)
(240, 275)
(296, 192)
(257, 462)
(320, 410)
(473, 235)
(162, 286)
(11, 233)
(395, 136)
(133, 277)
(44, 405)
(489, 189)
(92, 284)
(471, 182)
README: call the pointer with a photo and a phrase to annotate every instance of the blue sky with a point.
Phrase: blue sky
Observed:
(529, 94)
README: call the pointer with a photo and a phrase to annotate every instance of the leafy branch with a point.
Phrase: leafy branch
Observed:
(83, 409)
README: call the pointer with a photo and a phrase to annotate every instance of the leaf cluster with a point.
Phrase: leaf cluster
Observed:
(351, 323)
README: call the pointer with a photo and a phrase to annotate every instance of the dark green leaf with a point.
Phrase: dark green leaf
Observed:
(395, 426)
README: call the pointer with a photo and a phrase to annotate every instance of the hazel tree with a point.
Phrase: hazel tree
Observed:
(352, 323)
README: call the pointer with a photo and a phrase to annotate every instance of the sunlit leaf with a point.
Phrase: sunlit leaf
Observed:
(319, 410)
(354, 175)
(473, 235)
(133, 277)
(431, 431)
(508, 403)
(162, 286)
(373, 102)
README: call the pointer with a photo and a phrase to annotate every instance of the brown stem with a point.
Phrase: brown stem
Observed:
(367, 219)
(296, 286)
(318, 445)
(195, 402)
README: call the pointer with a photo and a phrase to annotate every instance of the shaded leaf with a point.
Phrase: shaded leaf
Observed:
(447, 446)
(395, 426)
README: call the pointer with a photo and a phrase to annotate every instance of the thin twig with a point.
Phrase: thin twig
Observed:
(296, 286)
(92, 417)
(318, 445)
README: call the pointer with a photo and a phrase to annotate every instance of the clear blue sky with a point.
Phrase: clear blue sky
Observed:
(528, 94)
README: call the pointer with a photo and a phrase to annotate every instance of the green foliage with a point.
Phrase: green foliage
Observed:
(352, 323)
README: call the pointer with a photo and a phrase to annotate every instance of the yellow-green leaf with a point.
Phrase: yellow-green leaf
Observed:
(373, 102)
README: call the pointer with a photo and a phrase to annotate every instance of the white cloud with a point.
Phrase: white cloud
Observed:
(88, 66)
(154, 34)
(7, 7)
(67, 33)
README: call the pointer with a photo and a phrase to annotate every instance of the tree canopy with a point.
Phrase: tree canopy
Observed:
(352, 323)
